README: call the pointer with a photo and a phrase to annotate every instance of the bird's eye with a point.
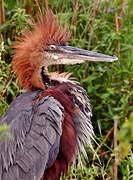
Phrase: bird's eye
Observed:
(51, 47)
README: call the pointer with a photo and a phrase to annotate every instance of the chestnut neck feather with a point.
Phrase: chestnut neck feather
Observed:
(77, 127)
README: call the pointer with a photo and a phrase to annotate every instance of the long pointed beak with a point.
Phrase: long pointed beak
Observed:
(72, 55)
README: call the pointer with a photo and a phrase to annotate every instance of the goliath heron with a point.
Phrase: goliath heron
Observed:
(51, 122)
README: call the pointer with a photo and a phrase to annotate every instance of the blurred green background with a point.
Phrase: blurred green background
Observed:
(104, 26)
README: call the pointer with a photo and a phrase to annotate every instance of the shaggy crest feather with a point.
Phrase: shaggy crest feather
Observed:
(29, 49)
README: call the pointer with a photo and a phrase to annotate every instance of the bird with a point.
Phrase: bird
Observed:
(50, 123)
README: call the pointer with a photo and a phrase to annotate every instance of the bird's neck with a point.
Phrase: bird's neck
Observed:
(53, 79)
(47, 81)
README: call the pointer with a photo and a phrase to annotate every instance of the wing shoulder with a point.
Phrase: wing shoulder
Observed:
(36, 130)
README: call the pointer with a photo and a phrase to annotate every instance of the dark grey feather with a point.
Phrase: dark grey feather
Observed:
(36, 129)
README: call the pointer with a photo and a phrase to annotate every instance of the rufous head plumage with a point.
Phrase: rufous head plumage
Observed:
(31, 48)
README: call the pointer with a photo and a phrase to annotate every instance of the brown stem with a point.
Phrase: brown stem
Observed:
(103, 154)
(105, 139)
(2, 17)
(46, 3)
(27, 7)
(124, 2)
(37, 2)
(63, 4)
(95, 7)
(117, 30)
(115, 168)
(75, 8)
(3, 13)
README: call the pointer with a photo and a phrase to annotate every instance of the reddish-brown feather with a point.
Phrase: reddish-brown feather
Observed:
(29, 53)
(62, 94)
(66, 152)
(67, 148)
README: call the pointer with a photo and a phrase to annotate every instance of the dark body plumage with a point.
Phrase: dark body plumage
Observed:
(44, 127)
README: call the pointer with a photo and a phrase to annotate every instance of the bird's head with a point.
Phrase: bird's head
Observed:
(47, 45)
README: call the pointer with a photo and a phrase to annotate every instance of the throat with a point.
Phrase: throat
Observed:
(47, 81)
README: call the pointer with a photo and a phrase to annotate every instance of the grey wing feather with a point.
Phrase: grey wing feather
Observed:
(36, 130)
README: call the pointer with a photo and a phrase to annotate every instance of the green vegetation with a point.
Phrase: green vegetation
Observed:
(103, 26)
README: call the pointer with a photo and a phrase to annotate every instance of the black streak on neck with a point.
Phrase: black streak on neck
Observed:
(46, 80)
